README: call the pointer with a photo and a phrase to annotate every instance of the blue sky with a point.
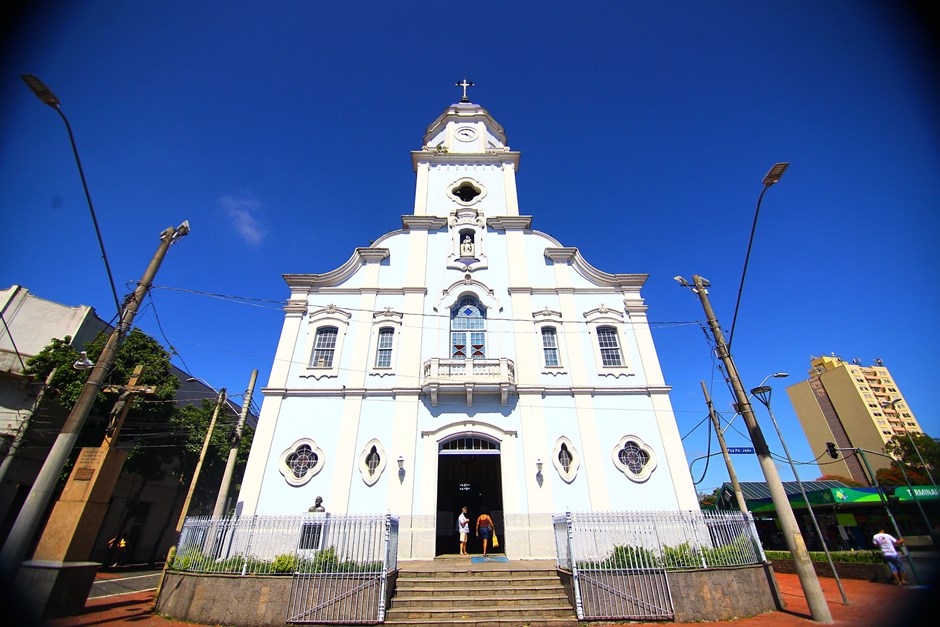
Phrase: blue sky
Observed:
(282, 132)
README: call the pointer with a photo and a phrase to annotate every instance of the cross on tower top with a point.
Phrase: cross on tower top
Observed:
(465, 83)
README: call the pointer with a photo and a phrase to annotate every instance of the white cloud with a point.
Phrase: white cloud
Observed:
(241, 211)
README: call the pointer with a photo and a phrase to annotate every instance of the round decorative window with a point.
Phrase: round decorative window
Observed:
(301, 462)
(634, 458)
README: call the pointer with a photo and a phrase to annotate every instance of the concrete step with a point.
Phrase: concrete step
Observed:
(483, 597)
(491, 622)
(483, 600)
(521, 614)
(464, 574)
(482, 589)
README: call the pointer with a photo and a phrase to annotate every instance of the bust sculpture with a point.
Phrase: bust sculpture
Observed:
(318, 505)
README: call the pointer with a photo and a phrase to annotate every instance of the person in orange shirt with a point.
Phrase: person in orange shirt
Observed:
(485, 530)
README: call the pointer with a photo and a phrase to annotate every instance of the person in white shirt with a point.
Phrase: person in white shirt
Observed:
(463, 526)
(888, 545)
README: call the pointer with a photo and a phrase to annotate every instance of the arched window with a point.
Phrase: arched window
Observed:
(468, 330)
(324, 347)
(609, 346)
(550, 347)
(383, 349)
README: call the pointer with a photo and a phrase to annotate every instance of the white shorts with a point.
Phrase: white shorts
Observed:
(463, 536)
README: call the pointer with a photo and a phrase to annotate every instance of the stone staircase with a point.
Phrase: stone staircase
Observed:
(489, 594)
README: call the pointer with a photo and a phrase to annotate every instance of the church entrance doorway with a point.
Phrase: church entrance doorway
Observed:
(469, 474)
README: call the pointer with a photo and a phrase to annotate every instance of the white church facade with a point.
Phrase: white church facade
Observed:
(466, 359)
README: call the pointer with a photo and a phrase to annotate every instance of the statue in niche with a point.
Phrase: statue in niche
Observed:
(466, 247)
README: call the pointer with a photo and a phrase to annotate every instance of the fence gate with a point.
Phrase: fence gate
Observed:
(624, 594)
(342, 566)
(343, 598)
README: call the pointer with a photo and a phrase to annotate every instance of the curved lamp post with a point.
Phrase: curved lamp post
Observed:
(48, 97)
(772, 176)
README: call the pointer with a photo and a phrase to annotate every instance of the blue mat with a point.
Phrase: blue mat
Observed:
(489, 558)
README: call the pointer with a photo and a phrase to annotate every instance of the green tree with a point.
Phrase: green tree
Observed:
(138, 348)
(192, 421)
(902, 449)
(144, 430)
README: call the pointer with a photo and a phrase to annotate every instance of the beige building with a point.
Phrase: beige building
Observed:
(853, 406)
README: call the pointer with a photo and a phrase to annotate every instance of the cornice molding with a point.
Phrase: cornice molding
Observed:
(342, 392)
(504, 223)
(433, 158)
(637, 390)
(529, 390)
(359, 257)
(571, 255)
(423, 223)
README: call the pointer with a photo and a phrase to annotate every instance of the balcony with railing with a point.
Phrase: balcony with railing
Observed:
(469, 377)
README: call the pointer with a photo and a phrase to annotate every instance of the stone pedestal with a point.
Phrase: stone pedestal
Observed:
(69, 535)
(50, 589)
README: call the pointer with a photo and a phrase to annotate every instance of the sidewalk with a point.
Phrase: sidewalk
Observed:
(870, 605)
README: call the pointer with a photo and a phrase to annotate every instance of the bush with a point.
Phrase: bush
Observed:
(324, 561)
(859, 557)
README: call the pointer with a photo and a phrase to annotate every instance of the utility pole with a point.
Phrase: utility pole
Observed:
(738, 495)
(812, 590)
(20, 539)
(202, 456)
(70, 532)
(233, 451)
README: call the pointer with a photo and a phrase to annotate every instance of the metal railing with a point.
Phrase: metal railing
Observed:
(265, 545)
(339, 564)
(619, 560)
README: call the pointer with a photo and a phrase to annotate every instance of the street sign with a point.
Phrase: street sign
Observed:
(741, 450)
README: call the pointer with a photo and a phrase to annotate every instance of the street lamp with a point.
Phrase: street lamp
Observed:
(772, 176)
(893, 404)
(812, 590)
(46, 96)
(762, 393)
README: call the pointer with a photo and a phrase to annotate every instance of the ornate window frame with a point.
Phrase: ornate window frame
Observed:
(469, 332)
(329, 316)
(568, 475)
(387, 318)
(647, 470)
(371, 476)
(604, 316)
(467, 220)
(462, 182)
(549, 318)
(284, 467)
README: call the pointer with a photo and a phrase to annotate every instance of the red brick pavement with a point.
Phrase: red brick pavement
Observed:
(870, 605)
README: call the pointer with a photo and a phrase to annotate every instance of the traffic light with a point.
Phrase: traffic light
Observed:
(831, 449)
